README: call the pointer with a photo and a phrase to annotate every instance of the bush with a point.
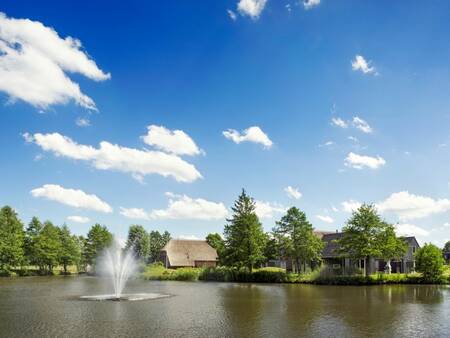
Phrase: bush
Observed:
(429, 262)
(157, 271)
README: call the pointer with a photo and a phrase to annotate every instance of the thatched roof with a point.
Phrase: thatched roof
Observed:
(181, 252)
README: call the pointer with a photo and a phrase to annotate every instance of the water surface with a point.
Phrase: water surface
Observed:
(47, 307)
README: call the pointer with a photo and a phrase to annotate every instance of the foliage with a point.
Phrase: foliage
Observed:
(156, 271)
(11, 239)
(31, 240)
(157, 242)
(390, 245)
(48, 247)
(297, 238)
(98, 238)
(429, 262)
(70, 251)
(139, 242)
(244, 235)
(216, 241)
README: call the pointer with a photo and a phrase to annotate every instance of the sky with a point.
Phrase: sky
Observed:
(160, 112)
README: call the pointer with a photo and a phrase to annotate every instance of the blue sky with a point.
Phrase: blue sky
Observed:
(348, 100)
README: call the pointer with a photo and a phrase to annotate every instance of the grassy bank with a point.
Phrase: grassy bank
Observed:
(34, 271)
(276, 275)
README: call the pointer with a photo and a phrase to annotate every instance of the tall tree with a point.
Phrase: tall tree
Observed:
(98, 238)
(157, 242)
(216, 241)
(297, 239)
(32, 234)
(138, 241)
(363, 235)
(244, 235)
(48, 246)
(70, 252)
(11, 239)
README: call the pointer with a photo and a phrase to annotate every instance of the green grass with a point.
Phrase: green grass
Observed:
(159, 272)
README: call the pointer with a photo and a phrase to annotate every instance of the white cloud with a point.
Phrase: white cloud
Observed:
(171, 141)
(409, 206)
(34, 61)
(337, 121)
(72, 197)
(232, 14)
(292, 192)
(360, 161)
(359, 63)
(268, 209)
(181, 207)
(350, 205)
(82, 122)
(78, 219)
(326, 144)
(253, 134)
(410, 230)
(189, 237)
(114, 157)
(326, 219)
(354, 139)
(251, 8)
(362, 125)
(308, 4)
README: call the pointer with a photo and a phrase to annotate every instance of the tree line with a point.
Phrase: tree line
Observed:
(45, 246)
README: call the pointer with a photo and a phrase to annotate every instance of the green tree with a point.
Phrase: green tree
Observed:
(82, 264)
(98, 238)
(446, 249)
(11, 239)
(391, 246)
(157, 242)
(429, 262)
(48, 246)
(297, 239)
(363, 235)
(244, 235)
(216, 241)
(271, 249)
(138, 241)
(32, 234)
(70, 251)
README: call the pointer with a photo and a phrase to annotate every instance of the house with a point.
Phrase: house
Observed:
(179, 253)
(335, 260)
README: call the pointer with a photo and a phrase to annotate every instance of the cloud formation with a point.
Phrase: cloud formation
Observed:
(338, 122)
(360, 64)
(350, 206)
(268, 209)
(82, 122)
(292, 192)
(308, 4)
(78, 219)
(34, 61)
(170, 141)
(110, 156)
(181, 207)
(251, 8)
(253, 134)
(72, 197)
(326, 219)
(410, 230)
(361, 161)
(409, 206)
(362, 125)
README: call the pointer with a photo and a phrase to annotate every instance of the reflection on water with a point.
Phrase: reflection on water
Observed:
(45, 307)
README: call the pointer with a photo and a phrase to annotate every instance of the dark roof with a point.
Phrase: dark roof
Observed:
(411, 240)
(331, 247)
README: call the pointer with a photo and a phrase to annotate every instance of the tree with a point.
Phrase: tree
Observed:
(81, 243)
(11, 239)
(429, 262)
(391, 246)
(446, 251)
(363, 235)
(98, 238)
(297, 239)
(70, 252)
(48, 246)
(216, 241)
(32, 234)
(157, 242)
(244, 235)
(138, 241)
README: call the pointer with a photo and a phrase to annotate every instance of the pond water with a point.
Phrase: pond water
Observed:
(49, 307)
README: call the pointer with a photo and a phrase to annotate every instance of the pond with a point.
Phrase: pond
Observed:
(49, 307)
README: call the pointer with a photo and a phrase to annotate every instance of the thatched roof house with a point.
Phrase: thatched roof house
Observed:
(179, 253)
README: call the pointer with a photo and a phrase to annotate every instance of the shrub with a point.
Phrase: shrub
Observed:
(430, 263)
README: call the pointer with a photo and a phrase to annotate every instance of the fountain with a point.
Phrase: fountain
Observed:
(118, 265)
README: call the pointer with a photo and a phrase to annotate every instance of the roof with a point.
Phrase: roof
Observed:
(411, 240)
(330, 249)
(181, 252)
